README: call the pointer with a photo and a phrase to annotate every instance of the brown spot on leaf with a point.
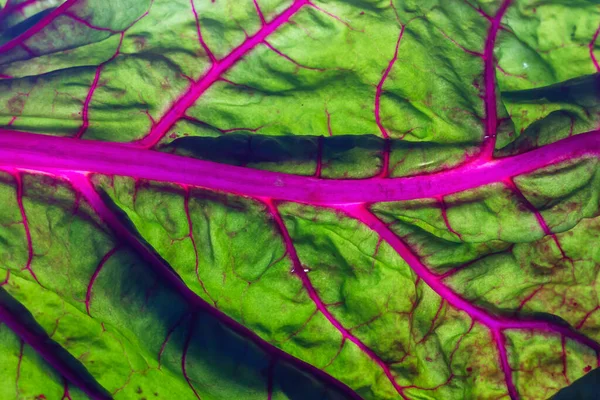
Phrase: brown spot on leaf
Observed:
(15, 104)
(139, 42)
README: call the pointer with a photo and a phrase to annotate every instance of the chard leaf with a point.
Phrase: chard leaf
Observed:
(298, 199)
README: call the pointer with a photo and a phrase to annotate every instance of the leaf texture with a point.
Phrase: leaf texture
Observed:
(305, 199)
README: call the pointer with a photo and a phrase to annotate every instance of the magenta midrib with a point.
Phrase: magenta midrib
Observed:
(179, 108)
(41, 152)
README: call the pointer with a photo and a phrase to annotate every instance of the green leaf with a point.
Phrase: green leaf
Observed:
(294, 199)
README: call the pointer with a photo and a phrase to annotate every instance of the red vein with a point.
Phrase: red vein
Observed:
(186, 207)
(66, 395)
(489, 78)
(538, 216)
(587, 315)
(564, 359)
(319, 166)
(330, 14)
(168, 337)
(270, 372)
(6, 279)
(196, 89)
(432, 326)
(500, 341)
(328, 114)
(444, 209)
(200, 122)
(21, 345)
(27, 267)
(460, 46)
(88, 98)
(290, 59)
(40, 152)
(209, 53)
(379, 89)
(259, 12)
(87, 23)
(361, 214)
(184, 356)
(88, 293)
(299, 271)
(591, 47)
(529, 297)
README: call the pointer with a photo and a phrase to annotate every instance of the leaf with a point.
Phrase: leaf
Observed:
(294, 199)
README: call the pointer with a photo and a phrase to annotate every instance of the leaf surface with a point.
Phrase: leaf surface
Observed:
(298, 199)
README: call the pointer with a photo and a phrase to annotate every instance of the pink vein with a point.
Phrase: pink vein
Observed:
(87, 23)
(88, 99)
(538, 216)
(186, 206)
(88, 294)
(290, 59)
(270, 372)
(379, 90)
(184, 356)
(500, 341)
(26, 226)
(591, 47)
(163, 346)
(209, 53)
(196, 89)
(259, 12)
(491, 112)
(44, 22)
(361, 214)
(21, 345)
(41, 152)
(298, 269)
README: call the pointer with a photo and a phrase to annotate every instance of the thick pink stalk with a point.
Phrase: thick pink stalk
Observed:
(32, 151)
